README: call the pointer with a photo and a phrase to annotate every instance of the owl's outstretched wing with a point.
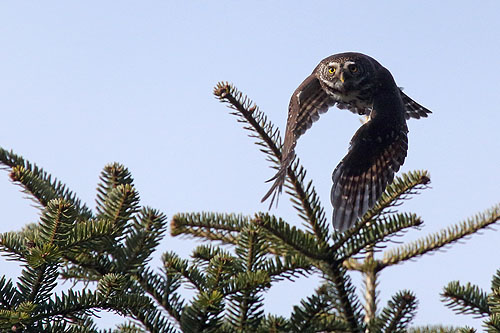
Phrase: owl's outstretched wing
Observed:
(377, 151)
(412, 108)
(306, 104)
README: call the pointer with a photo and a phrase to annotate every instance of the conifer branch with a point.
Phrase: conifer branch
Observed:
(344, 293)
(468, 299)
(400, 189)
(256, 121)
(70, 304)
(128, 327)
(246, 310)
(246, 301)
(163, 289)
(293, 238)
(176, 266)
(306, 200)
(85, 325)
(284, 265)
(39, 184)
(202, 254)
(370, 283)
(495, 282)
(251, 248)
(204, 314)
(314, 314)
(467, 329)
(81, 303)
(347, 297)
(56, 223)
(493, 323)
(494, 300)
(111, 288)
(86, 266)
(121, 204)
(398, 313)
(443, 238)
(438, 328)
(274, 324)
(289, 266)
(87, 236)
(80, 324)
(111, 177)
(403, 188)
(143, 311)
(39, 276)
(36, 284)
(373, 234)
(17, 317)
(144, 235)
(257, 280)
(14, 246)
(219, 270)
(211, 226)
(8, 294)
(153, 320)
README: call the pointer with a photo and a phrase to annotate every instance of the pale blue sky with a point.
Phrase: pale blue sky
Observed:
(91, 82)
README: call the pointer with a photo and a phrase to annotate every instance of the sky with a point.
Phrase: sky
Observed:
(87, 83)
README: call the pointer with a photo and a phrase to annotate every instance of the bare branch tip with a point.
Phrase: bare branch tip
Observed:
(222, 89)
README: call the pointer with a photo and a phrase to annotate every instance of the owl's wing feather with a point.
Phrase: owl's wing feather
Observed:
(354, 109)
(413, 109)
(306, 104)
(377, 151)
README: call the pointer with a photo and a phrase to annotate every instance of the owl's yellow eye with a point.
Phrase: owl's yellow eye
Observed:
(353, 69)
(332, 70)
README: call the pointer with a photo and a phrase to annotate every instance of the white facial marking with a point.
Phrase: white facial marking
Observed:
(329, 83)
(347, 63)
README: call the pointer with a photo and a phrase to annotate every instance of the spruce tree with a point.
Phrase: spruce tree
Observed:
(106, 252)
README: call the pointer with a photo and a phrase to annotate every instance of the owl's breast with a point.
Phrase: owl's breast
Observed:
(356, 101)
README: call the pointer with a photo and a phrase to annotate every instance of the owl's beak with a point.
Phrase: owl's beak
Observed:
(341, 77)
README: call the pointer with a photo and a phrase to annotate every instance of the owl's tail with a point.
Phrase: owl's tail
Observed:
(276, 188)
(279, 180)
(412, 108)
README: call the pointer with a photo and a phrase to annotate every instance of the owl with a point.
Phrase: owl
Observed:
(360, 84)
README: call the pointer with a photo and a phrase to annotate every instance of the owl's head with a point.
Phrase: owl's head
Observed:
(345, 72)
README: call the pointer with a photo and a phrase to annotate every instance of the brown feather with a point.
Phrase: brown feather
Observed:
(376, 154)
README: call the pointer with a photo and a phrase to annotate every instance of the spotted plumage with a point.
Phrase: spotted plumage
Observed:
(358, 83)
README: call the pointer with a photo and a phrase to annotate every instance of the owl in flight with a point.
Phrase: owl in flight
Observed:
(359, 83)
